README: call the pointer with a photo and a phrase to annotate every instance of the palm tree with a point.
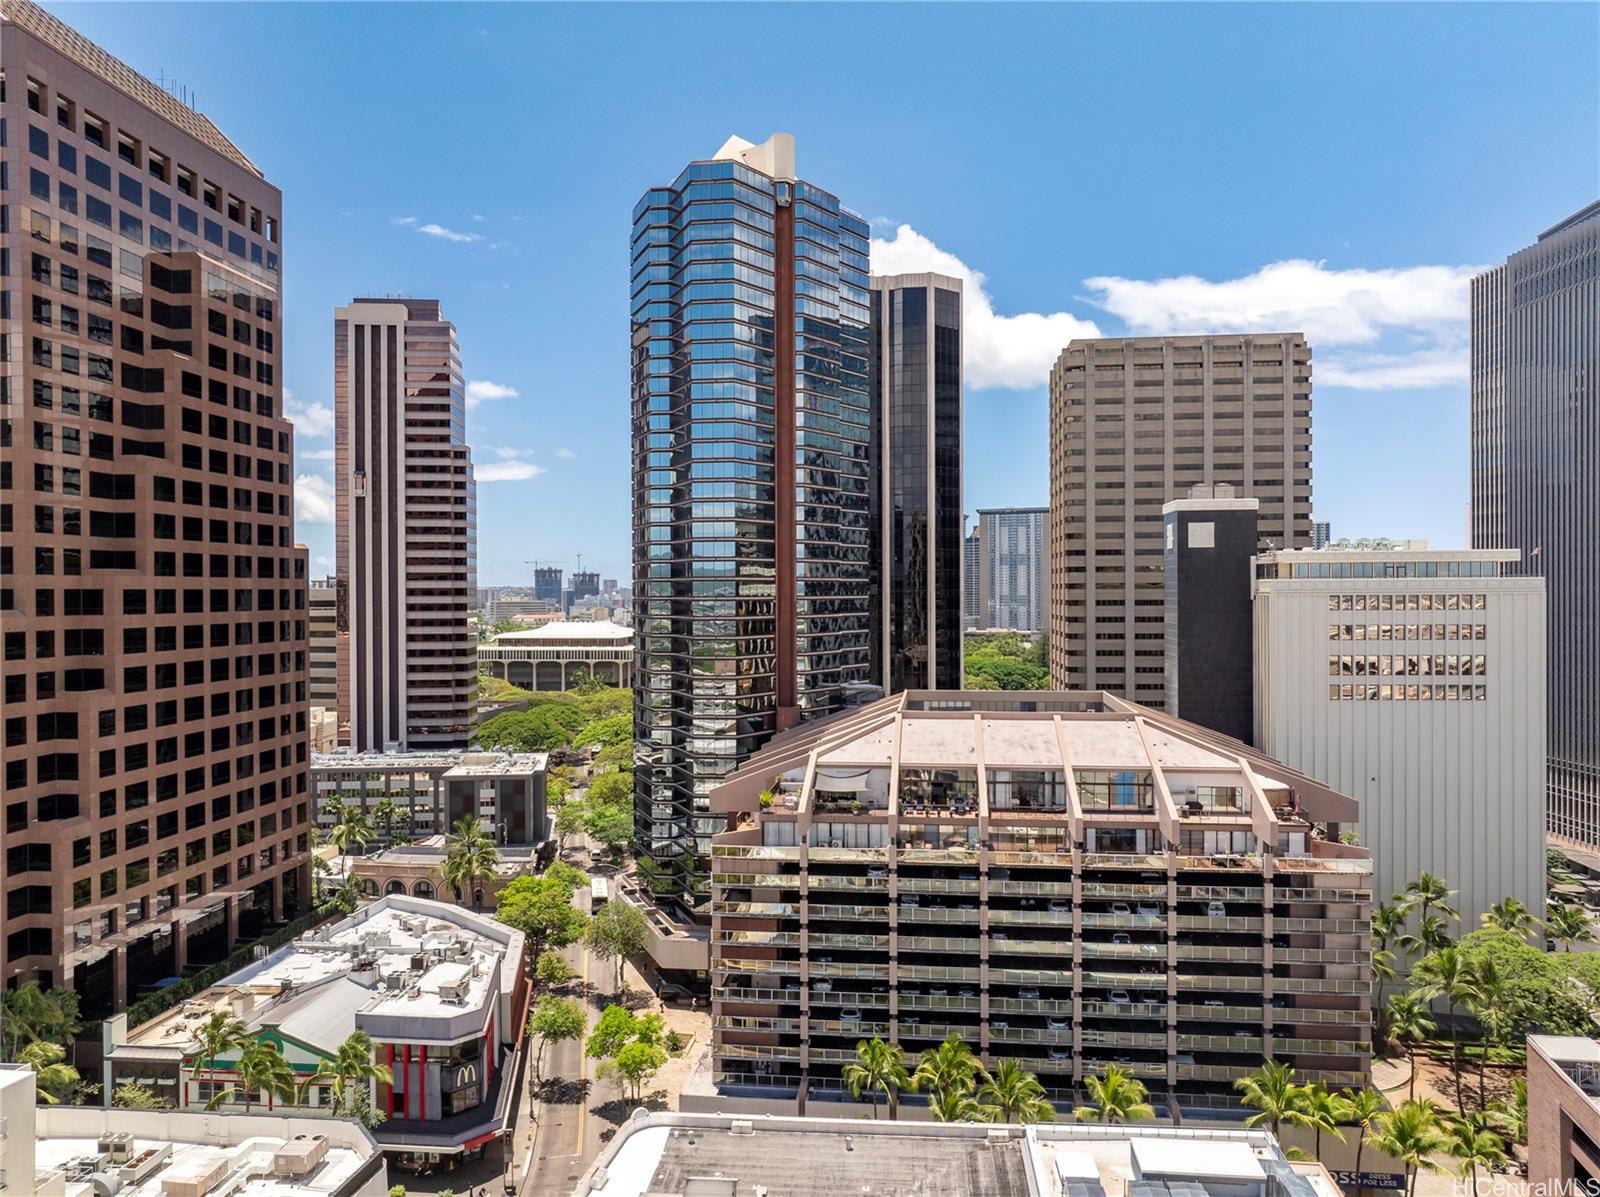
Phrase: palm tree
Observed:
(218, 1034)
(54, 1078)
(1012, 1094)
(951, 1106)
(1509, 914)
(1428, 893)
(1411, 1135)
(1383, 968)
(354, 1062)
(1473, 1141)
(1512, 1116)
(353, 830)
(1272, 1091)
(1447, 973)
(261, 1069)
(1324, 1110)
(1568, 923)
(1491, 1006)
(949, 1070)
(1433, 935)
(877, 1066)
(1409, 1023)
(469, 857)
(1117, 1097)
(1363, 1107)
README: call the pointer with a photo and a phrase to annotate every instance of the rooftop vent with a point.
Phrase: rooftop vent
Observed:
(116, 1144)
(742, 1126)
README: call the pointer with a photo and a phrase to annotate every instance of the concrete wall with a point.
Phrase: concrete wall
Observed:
(1449, 787)
(1560, 1115)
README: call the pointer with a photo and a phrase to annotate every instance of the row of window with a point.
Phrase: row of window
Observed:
(1411, 665)
(1408, 631)
(1410, 692)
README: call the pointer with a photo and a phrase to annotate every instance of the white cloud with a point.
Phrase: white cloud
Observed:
(402, 220)
(313, 499)
(313, 454)
(481, 390)
(309, 419)
(1012, 352)
(566, 453)
(1393, 371)
(444, 234)
(513, 466)
(478, 218)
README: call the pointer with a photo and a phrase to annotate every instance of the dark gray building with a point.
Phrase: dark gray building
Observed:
(1210, 538)
(547, 584)
(1536, 477)
(1013, 591)
(916, 472)
(752, 561)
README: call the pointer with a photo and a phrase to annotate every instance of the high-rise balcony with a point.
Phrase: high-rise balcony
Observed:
(852, 941)
(1146, 891)
(1124, 951)
(848, 1026)
(935, 914)
(1029, 889)
(1197, 951)
(1247, 1042)
(1035, 1006)
(1007, 946)
(1124, 918)
(1144, 1040)
(1127, 1009)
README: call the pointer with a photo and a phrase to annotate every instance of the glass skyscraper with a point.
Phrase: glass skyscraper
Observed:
(916, 494)
(752, 572)
(1536, 478)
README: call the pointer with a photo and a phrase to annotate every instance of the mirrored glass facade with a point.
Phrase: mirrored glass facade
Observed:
(1536, 477)
(750, 465)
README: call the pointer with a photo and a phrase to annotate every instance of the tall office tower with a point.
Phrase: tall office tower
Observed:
(1536, 477)
(1015, 568)
(915, 370)
(547, 584)
(152, 599)
(1441, 738)
(1068, 881)
(971, 578)
(405, 526)
(1134, 423)
(1321, 534)
(750, 416)
(322, 635)
(585, 584)
(1210, 539)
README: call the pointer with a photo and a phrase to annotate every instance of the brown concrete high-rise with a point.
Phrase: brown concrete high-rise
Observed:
(152, 598)
(1134, 423)
(405, 528)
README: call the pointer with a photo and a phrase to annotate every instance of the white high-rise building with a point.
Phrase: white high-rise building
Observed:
(1015, 548)
(405, 527)
(1414, 681)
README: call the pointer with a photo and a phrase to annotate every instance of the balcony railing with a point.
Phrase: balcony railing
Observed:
(1091, 919)
(773, 939)
(1125, 951)
(1220, 1043)
(938, 943)
(1220, 923)
(1034, 1035)
(1040, 917)
(823, 881)
(1029, 889)
(1246, 1014)
(1114, 889)
(1196, 951)
(935, 914)
(747, 1051)
(1140, 1068)
(1220, 893)
(823, 940)
(832, 1026)
(934, 1001)
(938, 885)
(1124, 1010)
(1002, 1005)
(1342, 985)
(1320, 1047)
(929, 972)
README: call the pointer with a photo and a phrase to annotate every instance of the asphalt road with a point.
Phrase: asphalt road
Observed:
(568, 1134)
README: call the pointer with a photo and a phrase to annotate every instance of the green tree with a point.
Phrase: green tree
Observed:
(1409, 1022)
(1509, 914)
(1472, 1142)
(356, 1060)
(261, 1070)
(1275, 1096)
(541, 908)
(617, 931)
(611, 789)
(1388, 924)
(606, 731)
(570, 879)
(352, 831)
(470, 858)
(571, 820)
(617, 1027)
(541, 728)
(1324, 1110)
(551, 969)
(1426, 894)
(56, 1079)
(1363, 1106)
(1491, 1007)
(554, 1020)
(131, 1095)
(950, 1068)
(1012, 1094)
(1432, 935)
(1512, 1116)
(1448, 973)
(1116, 1097)
(611, 824)
(635, 1066)
(29, 1012)
(220, 1033)
(954, 1107)
(1410, 1134)
(1569, 923)
(878, 1067)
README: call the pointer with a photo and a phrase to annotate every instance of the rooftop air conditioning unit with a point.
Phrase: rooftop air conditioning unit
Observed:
(117, 1144)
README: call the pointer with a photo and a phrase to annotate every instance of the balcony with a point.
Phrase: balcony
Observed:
(934, 1001)
(1008, 854)
(1323, 985)
(935, 914)
(1031, 889)
(764, 997)
(1220, 893)
(820, 910)
(748, 1051)
(1320, 1047)
(823, 881)
(873, 972)
(938, 972)
(1197, 951)
(1293, 1016)
(763, 939)
(938, 943)
(738, 1022)
(1001, 1005)
(1235, 1014)
(1124, 951)
(829, 1026)
(939, 885)
(1143, 1040)
(849, 997)
(1220, 1043)
(832, 852)
(850, 941)
(1124, 920)
(1030, 947)
(1150, 862)
(913, 1027)
(1320, 956)
(1030, 977)
(1032, 1035)
(1251, 983)
(1039, 917)
(1115, 889)
(1092, 1009)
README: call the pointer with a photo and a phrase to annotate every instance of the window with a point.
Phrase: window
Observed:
(94, 130)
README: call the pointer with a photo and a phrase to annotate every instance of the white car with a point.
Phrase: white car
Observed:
(1120, 908)
(1058, 1024)
(823, 986)
(1216, 910)
(1060, 1053)
(1120, 997)
(849, 1014)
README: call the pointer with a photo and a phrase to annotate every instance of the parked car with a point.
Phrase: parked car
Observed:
(823, 986)
(938, 991)
(1120, 908)
(1060, 906)
(1060, 1053)
(998, 1024)
(1121, 937)
(1120, 997)
(910, 900)
(850, 1014)
(1058, 1024)
(1148, 910)
(1028, 995)
(1212, 1002)
(1216, 910)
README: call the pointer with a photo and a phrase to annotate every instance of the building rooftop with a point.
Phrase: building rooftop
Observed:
(73, 45)
(455, 763)
(601, 630)
(397, 956)
(716, 1155)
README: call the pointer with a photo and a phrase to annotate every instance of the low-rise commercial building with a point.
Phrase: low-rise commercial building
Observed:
(1563, 1113)
(1414, 680)
(87, 1151)
(562, 655)
(1066, 879)
(439, 989)
(417, 869)
(433, 790)
(707, 1155)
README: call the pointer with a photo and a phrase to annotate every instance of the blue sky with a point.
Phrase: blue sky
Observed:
(1332, 168)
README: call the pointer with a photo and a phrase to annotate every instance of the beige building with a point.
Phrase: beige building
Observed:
(1068, 880)
(152, 598)
(322, 636)
(405, 527)
(561, 655)
(1134, 423)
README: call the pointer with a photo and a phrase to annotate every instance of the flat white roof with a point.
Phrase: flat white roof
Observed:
(248, 1165)
(1196, 1159)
